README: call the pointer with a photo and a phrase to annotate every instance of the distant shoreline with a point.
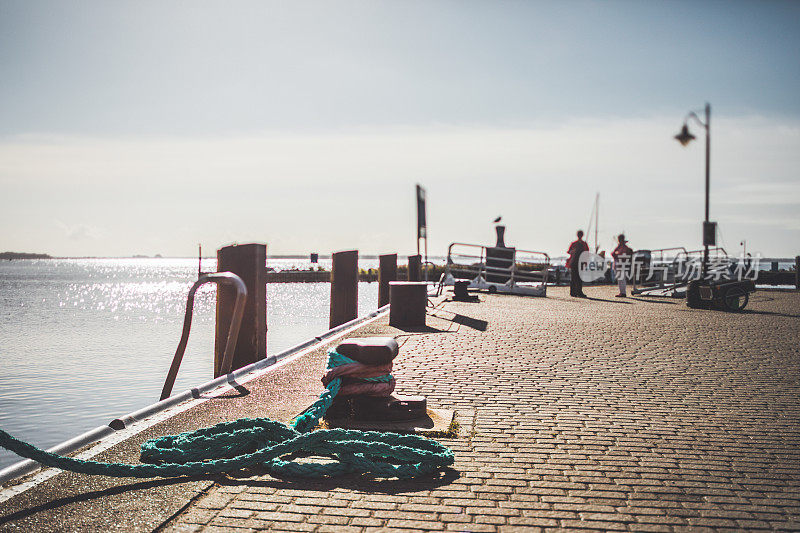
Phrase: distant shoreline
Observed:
(29, 255)
(23, 255)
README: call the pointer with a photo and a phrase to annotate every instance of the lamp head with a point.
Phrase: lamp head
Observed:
(684, 137)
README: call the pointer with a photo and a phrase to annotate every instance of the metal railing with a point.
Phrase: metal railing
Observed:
(490, 267)
(228, 278)
(653, 268)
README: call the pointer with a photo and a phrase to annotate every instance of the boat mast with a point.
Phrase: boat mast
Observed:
(596, 221)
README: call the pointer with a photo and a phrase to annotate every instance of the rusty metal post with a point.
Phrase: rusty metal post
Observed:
(387, 271)
(414, 267)
(248, 261)
(344, 287)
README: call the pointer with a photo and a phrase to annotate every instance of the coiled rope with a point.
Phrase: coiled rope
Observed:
(270, 446)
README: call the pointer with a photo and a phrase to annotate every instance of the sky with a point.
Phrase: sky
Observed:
(148, 127)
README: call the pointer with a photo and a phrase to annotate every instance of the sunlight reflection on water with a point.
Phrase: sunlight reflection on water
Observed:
(86, 340)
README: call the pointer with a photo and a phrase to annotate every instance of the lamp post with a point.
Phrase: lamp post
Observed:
(684, 137)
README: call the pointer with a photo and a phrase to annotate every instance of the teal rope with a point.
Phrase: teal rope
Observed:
(310, 417)
(263, 443)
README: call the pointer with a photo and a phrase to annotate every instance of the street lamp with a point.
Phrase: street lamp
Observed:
(684, 137)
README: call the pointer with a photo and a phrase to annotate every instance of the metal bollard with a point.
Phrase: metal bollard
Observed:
(344, 287)
(248, 261)
(414, 267)
(408, 300)
(387, 271)
(460, 290)
(373, 405)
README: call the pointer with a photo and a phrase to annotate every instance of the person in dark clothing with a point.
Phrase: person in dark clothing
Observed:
(576, 248)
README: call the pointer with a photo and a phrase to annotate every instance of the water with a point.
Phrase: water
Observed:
(83, 341)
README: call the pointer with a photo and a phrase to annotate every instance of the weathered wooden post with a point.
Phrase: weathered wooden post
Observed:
(797, 272)
(414, 267)
(387, 271)
(344, 287)
(248, 261)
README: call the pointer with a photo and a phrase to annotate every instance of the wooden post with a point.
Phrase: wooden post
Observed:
(387, 271)
(797, 272)
(249, 262)
(414, 267)
(344, 287)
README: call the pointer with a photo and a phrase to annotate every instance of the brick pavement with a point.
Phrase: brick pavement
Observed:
(638, 415)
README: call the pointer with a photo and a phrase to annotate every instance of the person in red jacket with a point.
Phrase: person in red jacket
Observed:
(623, 257)
(576, 248)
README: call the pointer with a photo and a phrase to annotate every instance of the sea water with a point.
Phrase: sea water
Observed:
(84, 341)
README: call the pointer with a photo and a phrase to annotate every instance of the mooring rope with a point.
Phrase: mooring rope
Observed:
(359, 379)
(269, 445)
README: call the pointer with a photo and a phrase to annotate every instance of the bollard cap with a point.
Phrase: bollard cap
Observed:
(372, 351)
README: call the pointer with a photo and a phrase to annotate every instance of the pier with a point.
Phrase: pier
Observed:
(635, 414)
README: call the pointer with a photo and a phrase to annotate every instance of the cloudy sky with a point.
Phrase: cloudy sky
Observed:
(150, 126)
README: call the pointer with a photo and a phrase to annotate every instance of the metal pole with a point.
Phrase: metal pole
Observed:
(596, 221)
(426, 256)
(708, 174)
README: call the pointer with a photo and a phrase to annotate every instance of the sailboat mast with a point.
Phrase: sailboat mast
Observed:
(596, 221)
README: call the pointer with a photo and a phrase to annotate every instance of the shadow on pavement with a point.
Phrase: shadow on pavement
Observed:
(473, 323)
(422, 329)
(471, 299)
(672, 301)
(357, 482)
(241, 390)
(769, 313)
(606, 300)
(99, 494)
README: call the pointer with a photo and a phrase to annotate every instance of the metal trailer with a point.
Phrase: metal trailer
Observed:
(668, 271)
(513, 271)
(724, 294)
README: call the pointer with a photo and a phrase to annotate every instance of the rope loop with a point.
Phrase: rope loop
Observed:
(281, 450)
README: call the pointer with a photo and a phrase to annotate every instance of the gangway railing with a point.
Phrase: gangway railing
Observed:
(225, 278)
(504, 270)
